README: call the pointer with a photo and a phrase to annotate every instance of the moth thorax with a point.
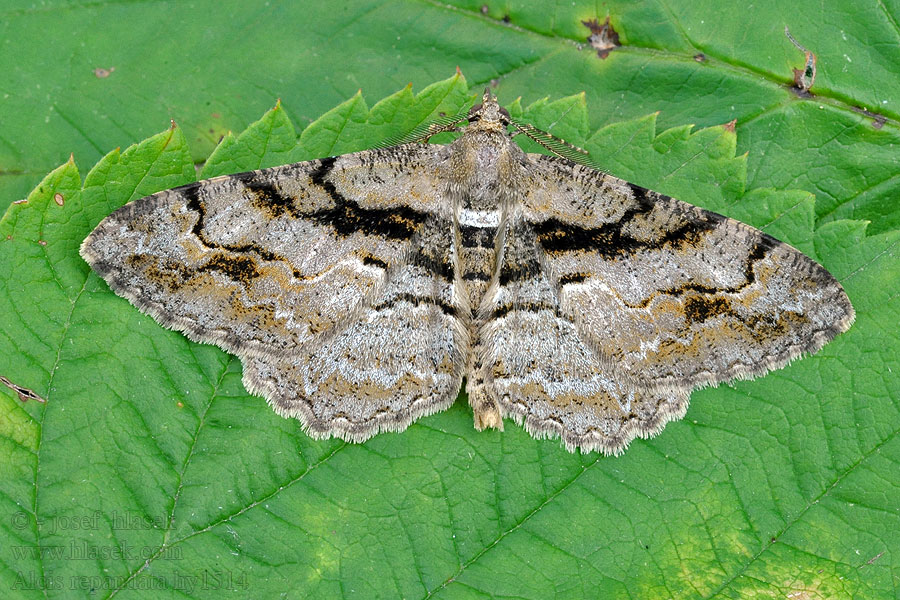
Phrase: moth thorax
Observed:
(485, 168)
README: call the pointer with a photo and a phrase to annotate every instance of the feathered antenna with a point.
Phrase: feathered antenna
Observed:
(422, 133)
(552, 143)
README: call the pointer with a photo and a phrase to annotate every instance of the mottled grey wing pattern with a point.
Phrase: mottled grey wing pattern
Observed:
(674, 294)
(271, 264)
(659, 297)
(264, 261)
(400, 359)
(542, 369)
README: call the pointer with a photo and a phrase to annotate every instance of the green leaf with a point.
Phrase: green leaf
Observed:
(267, 143)
(151, 460)
(780, 487)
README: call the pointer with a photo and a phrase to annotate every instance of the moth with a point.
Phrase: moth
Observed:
(360, 291)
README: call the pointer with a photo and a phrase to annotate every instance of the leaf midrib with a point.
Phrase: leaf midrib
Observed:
(714, 60)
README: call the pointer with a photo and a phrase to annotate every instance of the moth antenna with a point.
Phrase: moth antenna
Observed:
(423, 132)
(557, 146)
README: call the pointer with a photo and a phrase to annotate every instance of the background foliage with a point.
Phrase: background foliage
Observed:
(150, 472)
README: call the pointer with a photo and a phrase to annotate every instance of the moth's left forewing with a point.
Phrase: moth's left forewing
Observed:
(674, 295)
(266, 260)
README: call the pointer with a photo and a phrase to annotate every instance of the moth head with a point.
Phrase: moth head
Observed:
(489, 115)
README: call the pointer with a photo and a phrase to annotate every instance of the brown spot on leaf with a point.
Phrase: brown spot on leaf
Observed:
(878, 121)
(805, 77)
(729, 126)
(101, 73)
(24, 393)
(42, 242)
(604, 39)
(59, 199)
(22, 201)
